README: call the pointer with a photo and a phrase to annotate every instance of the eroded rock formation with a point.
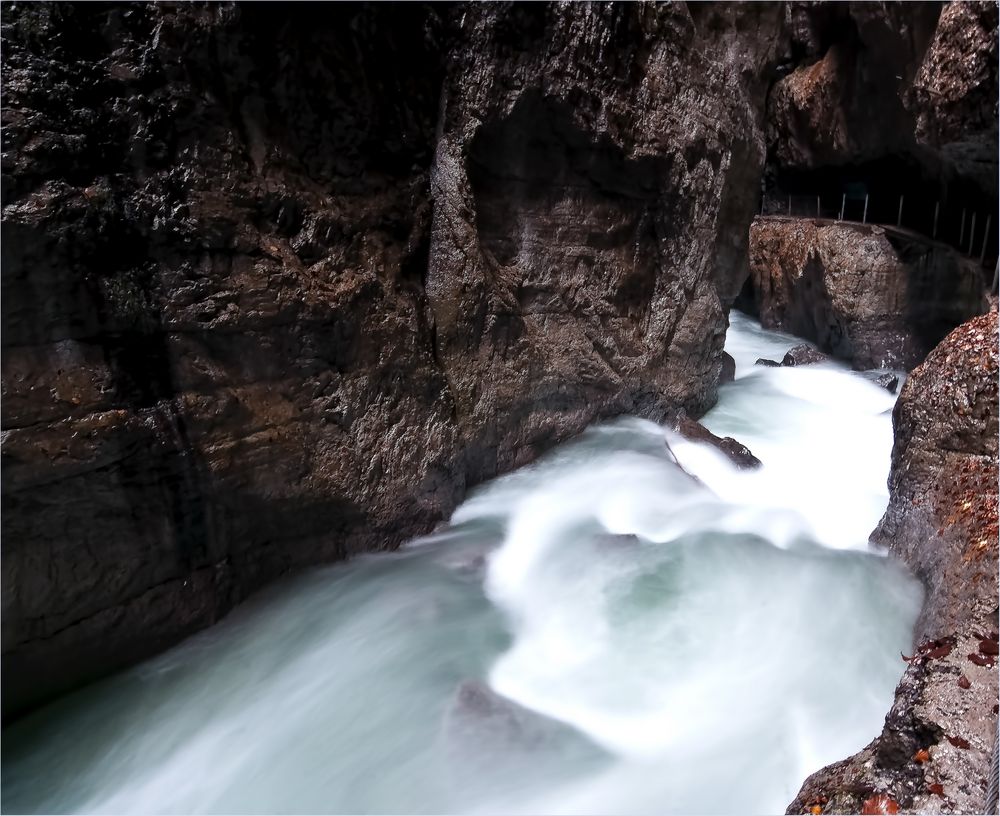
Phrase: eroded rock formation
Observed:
(277, 288)
(954, 95)
(934, 752)
(844, 104)
(877, 298)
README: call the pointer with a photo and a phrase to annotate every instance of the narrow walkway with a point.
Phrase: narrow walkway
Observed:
(892, 230)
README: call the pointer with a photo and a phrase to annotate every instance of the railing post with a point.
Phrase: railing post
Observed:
(961, 231)
(817, 206)
(843, 201)
(937, 209)
(972, 232)
(789, 203)
(899, 215)
(864, 217)
(986, 239)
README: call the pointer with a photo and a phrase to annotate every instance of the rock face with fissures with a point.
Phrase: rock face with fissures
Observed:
(866, 294)
(933, 755)
(279, 286)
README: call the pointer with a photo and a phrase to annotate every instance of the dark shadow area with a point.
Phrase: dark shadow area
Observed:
(538, 159)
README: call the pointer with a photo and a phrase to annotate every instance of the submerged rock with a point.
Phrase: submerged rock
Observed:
(942, 523)
(494, 743)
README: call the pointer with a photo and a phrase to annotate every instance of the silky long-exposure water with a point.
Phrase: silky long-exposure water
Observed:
(596, 633)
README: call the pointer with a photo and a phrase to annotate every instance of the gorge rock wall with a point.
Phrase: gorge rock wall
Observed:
(874, 80)
(586, 167)
(216, 361)
(278, 287)
(876, 297)
(934, 753)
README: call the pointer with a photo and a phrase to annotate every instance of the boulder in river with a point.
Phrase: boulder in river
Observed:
(738, 453)
(889, 381)
(763, 361)
(728, 369)
(942, 523)
(803, 354)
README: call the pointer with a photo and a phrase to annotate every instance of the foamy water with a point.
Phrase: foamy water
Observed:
(663, 644)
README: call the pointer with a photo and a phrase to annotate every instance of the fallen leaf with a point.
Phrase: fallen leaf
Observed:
(989, 647)
(936, 788)
(815, 810)
(981, 660)
(878, 804)
(963, 682)
(959, 742)
(922, 756)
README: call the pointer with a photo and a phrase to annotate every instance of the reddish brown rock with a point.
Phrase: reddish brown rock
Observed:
(942, 523)
(803, 354)
(843, 103)
(855, 292)
(954, 95)
(738, 453)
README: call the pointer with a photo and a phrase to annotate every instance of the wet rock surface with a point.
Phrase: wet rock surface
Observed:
(728, 373)
(954, 95)
(914, 83)
(933, 755)
(859, 292)
(803, 354)
(842, 104)
(738, 453)
(272, 298)
(498, 742)
(562, 253)
(890, 382)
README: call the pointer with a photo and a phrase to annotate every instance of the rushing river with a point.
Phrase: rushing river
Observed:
(597, 633)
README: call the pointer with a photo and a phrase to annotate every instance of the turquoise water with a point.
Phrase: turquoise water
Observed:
(597, 633)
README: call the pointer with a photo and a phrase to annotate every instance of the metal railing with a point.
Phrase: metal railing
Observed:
(959, 231)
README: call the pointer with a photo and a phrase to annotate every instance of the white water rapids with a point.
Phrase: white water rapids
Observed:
(668, 646)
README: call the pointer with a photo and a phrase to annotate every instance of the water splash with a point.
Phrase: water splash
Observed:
(597, 633)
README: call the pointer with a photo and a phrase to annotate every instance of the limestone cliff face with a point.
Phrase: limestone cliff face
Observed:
(876, 297)
(844, 102)
(217, 364)
(278, 286)
(954, 95)
(941, 522)
(880, 79)
(589, 173)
